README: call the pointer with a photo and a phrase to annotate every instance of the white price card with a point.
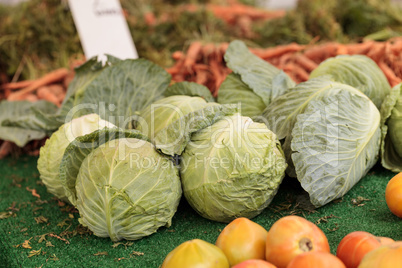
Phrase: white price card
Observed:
(102, 28)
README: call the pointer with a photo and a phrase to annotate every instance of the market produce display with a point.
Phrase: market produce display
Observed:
(132, 150)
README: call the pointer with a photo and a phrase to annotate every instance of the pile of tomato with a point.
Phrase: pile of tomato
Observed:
(292, 242)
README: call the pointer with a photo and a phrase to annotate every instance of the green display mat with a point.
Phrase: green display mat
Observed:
(57, 239)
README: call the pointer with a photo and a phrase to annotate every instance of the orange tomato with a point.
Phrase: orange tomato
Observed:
(354, 246)
(254, 264)
(196, 253)
(242, 239)
(386, 256)
(316, 259)
(393, 195)
(291, 236)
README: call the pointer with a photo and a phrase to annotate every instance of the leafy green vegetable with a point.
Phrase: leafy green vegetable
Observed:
(335, 142)
(280, 115)
(51, 154)
(78, 149)
(391, 125)
(122, 89)
(163, 112)
(189, 89)
(19, 124)
(358, 71)
(125, 191)
(233, 90)
(173, 139)
(232, 168)
(259, 75)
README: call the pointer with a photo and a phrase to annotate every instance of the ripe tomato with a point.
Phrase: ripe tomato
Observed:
(354, 246)
(254, 264)
(242, 239)
(386, 256)
(393, 195)
(291, 236)
(316, 259)
(196, 253)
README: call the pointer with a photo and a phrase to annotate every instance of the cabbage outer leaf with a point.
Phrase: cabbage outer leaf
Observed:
(335, 143)
(189, 89)
(121, 90)
(258, 74)
(234, 91)
(391, 129)
(358, 71)
(19, 123)
(280, 116)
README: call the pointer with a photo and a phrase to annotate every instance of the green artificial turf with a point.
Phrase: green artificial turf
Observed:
(57, 239)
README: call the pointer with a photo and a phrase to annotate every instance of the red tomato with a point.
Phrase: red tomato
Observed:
(354, 246)
(393, 195)
(316, 259)
(196, 253)
(254, 264)
(242, 239)
(291, 236)
(386, 256)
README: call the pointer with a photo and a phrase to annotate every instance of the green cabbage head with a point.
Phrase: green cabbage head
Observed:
(52, 152)
(127, 190)
(231, 169)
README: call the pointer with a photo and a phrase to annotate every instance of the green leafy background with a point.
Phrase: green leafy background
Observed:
(336, 219)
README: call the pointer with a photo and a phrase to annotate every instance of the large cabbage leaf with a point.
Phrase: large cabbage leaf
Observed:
(189, 89)
(127, 192)
(358, 71)
(335, 142)
(391, 128)
(122, 89)
(20, 124)
(78, 149)
(173, 139)
(280, 115)
(260, 81)
(163, 112)
(232, 168)
(235, 91)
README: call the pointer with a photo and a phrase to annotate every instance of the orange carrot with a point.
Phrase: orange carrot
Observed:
(177, 55)
(49, 78)
(16, 85)
(278, 51)
(192, 54)
(359, 48)
(305, 62)
(45, 93)
(392, 78)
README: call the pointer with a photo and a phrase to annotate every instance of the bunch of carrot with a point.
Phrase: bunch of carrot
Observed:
(231, 12)
(51, 87)
(203, 62)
